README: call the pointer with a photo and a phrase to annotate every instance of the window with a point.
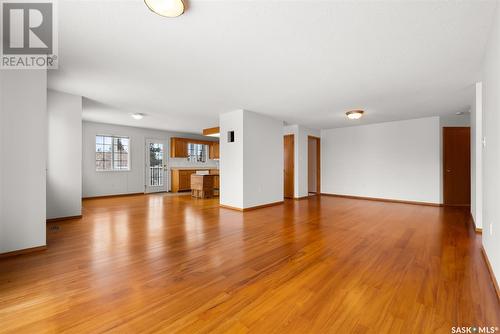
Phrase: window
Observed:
(197, 152)
(112, 153)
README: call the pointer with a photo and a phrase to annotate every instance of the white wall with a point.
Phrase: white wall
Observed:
(262, 159)
(231, 160)
(301, 149)
(2, 161)
(64, 158)
(23, 148)
(491, 153)
(454, 120)
(477, 156)
(252, 166)
(127, 182)
(394, 160)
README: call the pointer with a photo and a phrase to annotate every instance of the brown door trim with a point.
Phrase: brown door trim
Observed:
(287, 183)
(318, 162)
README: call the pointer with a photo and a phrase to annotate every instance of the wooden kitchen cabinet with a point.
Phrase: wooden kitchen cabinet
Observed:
(214, 150)
(181, 179)
(215, 173)
(202, 186)
(185, 179)
(178, 147)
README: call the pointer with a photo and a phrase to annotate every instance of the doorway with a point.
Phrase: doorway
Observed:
(313, 165)
(156, 166)
(456, 166)
(288, 166)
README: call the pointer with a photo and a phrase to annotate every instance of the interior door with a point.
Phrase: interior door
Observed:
(313, 164)
(156, 166)
(456, 165)
(288, 166)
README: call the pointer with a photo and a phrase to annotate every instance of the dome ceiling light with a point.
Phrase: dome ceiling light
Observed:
(167, 8)
(137, 116)
(355, 114)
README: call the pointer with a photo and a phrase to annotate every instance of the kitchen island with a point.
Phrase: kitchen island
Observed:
(202, 185)
(181, 177)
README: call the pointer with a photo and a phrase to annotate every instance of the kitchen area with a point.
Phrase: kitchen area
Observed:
(194, 165)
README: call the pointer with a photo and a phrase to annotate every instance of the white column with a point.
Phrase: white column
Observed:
(477, 156)
(23, 148)
(64, 161)
(251, 167)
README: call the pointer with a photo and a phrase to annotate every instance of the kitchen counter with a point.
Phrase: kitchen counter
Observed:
(194, 168)
(202, 186)
(181, 177)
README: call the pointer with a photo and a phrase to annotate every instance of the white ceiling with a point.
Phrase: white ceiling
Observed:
(304, 62)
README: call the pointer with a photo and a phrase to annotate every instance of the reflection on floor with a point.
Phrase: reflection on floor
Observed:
(173, 263)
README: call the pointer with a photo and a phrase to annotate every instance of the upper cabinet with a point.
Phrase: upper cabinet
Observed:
(179, 147)
(214, 150)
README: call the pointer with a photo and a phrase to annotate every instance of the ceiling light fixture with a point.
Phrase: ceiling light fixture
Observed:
(354, 114)
(137, 116)
(167, 8)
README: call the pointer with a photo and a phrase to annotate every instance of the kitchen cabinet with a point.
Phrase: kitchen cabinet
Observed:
(185, 179)
(214, 150)
(181, 178)
(202, 186)
(178, 147)
(215, 173)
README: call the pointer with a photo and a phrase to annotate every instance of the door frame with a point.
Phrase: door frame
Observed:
(166, 185)
(318, 164)
(293, 165)
(444, 172)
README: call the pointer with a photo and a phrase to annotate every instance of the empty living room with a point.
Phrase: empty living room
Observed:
(251, 166)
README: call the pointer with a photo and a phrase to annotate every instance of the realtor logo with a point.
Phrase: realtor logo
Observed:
(28, 34)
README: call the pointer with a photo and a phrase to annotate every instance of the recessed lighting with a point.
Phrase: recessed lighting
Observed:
(137, 116)
(167, 8)
(354, 114)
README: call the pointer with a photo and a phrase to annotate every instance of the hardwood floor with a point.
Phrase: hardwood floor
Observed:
(174, 264)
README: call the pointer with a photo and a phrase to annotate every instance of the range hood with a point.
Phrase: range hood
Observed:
(212, 132)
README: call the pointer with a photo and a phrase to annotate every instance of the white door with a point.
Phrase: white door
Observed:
(156, 166)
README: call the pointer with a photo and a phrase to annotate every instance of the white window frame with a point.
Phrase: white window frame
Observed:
(113, 170)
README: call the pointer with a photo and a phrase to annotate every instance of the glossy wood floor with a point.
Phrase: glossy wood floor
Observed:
(324, 265)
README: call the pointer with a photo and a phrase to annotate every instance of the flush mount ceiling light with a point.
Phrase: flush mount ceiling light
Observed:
(167, 8)
(137, 116)
(354, 114)
(212, 132)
